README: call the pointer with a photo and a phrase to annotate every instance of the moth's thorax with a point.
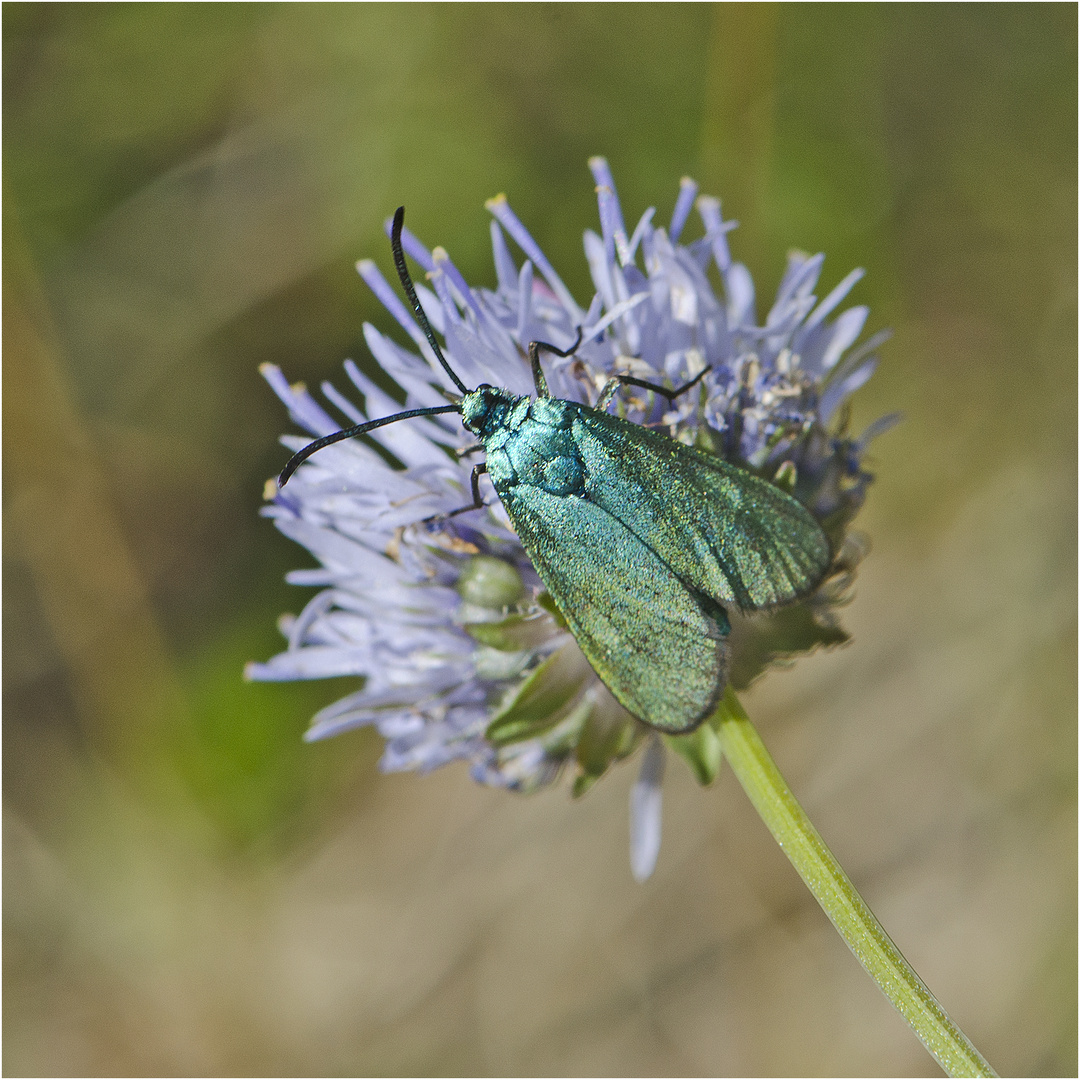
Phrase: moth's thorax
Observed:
(527, 440)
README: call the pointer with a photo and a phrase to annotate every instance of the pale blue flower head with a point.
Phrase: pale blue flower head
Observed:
(461, 654)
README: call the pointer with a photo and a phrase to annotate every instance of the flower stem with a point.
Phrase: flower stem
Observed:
(760, 778)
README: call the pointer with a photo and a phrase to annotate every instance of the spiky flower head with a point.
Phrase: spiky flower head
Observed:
(461, 653)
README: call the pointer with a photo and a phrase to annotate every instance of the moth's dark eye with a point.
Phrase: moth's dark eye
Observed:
(485, 386)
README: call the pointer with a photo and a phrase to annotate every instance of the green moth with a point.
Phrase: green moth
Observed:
(642, 541)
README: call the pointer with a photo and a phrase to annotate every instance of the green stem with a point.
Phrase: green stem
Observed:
(759, 776)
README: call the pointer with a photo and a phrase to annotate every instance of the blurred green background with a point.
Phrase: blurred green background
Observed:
(191, 890)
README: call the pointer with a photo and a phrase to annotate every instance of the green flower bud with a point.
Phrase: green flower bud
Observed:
(490, 583)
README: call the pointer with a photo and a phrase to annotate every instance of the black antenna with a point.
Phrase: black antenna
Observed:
(410, 292)
(370, 425)
(357, 429)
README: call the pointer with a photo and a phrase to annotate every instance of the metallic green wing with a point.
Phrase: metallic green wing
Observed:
(659, 648)
(722, 530)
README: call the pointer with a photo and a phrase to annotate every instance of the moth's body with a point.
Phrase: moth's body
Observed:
(641, 541)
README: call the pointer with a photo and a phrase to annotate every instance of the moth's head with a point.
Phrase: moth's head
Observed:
(484, 409)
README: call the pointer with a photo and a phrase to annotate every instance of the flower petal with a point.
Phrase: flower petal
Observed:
(646, 805)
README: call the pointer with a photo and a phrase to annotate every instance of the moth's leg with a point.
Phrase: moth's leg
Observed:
(537, 372)
(534, 358)
(611, 388)
(465, 451)
(663, 391)
(475, 480)
(477, 503)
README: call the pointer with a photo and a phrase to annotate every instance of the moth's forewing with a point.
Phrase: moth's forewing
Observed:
(722, 530)
(647, 637)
